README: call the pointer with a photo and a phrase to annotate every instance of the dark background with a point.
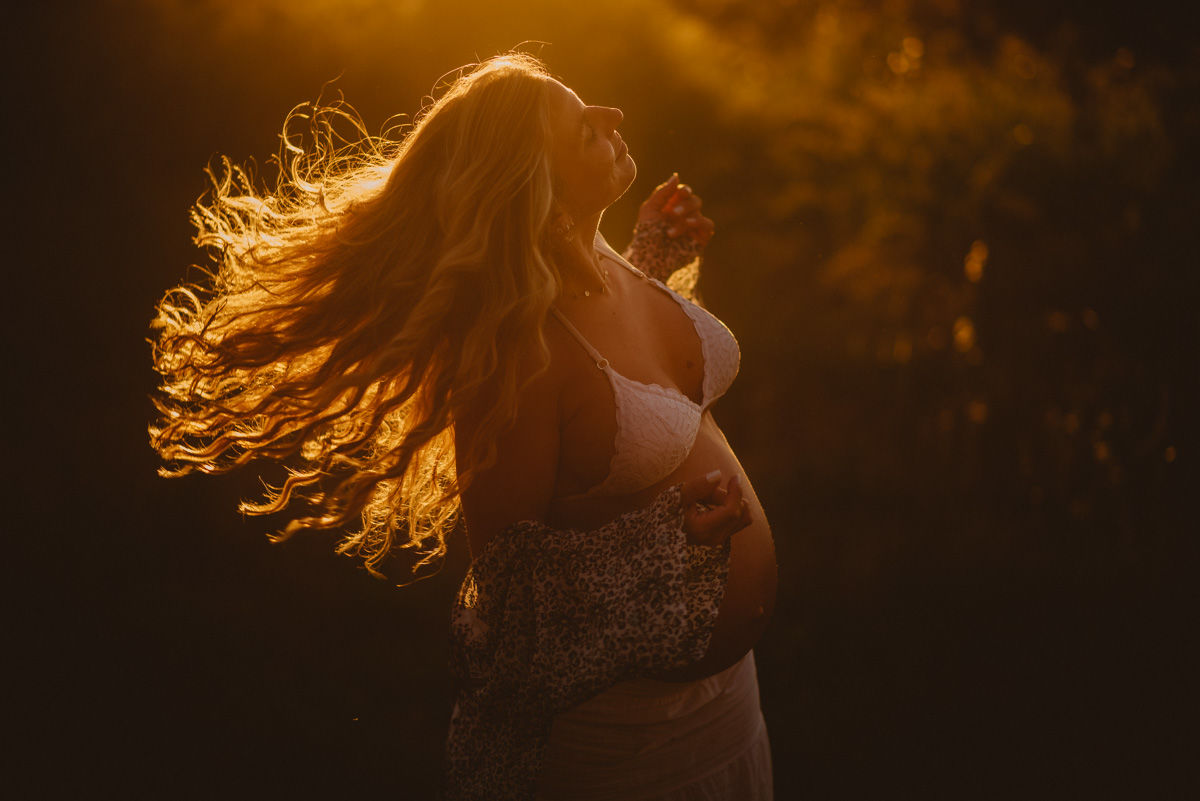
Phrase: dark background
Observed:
(955, 239)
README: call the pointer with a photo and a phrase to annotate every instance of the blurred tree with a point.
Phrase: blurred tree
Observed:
(947, 222)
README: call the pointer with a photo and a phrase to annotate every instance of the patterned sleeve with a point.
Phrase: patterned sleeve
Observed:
(658, 255)
(547, 618)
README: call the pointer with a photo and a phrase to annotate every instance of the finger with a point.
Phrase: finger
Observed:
(680, 195)
(690, 205)
(716, 525)
(699, 489)
(743, 521)
(678, 228)
(664, 192)
(745, 515)
(727, 504)
(682, 210)
(733, 493)
(676, 231)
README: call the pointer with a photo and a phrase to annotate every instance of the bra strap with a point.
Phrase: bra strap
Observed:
(607, 251)
(600, 361)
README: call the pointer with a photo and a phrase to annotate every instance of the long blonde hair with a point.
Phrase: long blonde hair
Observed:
(383, 287)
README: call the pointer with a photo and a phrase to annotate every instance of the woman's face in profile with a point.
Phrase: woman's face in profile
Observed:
(592, 166)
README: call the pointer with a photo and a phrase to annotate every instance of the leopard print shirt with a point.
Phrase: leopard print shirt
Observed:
(547, 618)
(658, 255)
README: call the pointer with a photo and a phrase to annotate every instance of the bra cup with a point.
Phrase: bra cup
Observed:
(722, 356)
(656, 428)
(656, 425)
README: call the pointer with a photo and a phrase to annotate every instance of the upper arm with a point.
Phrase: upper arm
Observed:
(521, 482)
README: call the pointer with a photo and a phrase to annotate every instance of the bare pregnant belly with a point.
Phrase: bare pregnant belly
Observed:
(750, 592)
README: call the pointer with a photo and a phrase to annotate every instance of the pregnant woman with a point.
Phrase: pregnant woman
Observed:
(434, 326)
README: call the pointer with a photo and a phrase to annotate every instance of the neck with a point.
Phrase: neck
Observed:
(579, 262)
(585, 230)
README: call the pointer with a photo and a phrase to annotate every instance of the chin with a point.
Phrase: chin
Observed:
(627, 176)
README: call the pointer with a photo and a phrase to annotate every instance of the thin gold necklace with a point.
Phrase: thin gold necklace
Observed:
(603, 272)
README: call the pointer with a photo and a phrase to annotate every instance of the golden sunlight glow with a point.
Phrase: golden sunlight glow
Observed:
(845, 171)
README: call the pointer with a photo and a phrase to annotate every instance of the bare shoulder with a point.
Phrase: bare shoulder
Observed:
(570, 371)
(564, 351)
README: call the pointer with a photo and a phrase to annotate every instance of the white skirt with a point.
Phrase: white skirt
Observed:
(647, 740)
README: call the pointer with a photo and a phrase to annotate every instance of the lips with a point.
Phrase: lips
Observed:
(622, 148)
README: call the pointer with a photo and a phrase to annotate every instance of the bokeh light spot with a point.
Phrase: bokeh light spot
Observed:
(898, 62)
(974, 262)
(964, 334)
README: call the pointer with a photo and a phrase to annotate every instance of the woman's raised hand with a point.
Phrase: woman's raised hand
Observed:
(712, 513)
(675, 205)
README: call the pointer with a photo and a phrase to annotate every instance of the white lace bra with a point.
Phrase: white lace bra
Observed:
(657, 425)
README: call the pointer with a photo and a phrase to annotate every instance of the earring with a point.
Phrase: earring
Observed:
(562, 225)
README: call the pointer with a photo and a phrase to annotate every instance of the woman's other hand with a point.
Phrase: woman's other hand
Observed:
(712, 513)
(678, 208)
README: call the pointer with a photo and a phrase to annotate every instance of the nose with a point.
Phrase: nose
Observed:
(611, 117)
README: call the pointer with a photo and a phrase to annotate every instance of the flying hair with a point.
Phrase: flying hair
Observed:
(349, 314)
